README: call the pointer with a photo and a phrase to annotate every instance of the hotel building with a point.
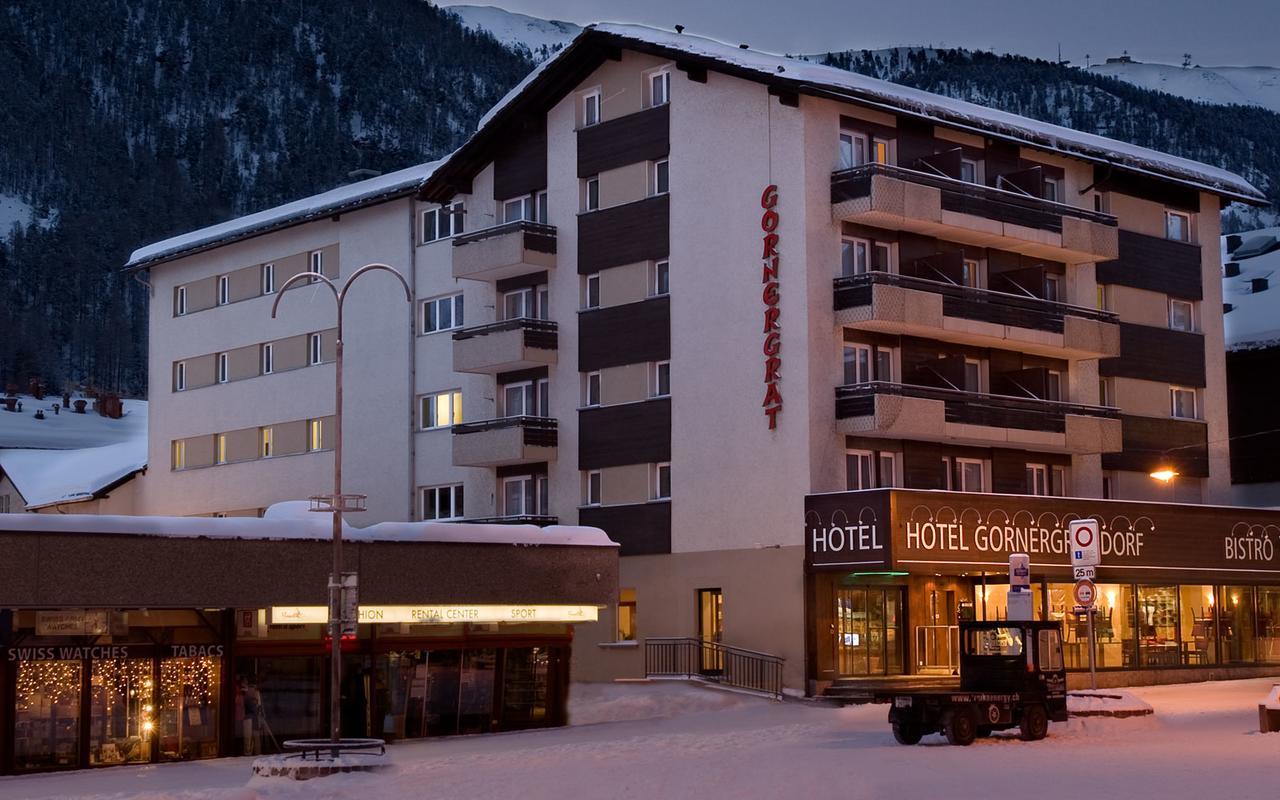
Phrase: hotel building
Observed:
(672, 288)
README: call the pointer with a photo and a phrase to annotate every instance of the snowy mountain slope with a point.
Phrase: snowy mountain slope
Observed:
(1250, 86)
(541, 37)
(1254, 318)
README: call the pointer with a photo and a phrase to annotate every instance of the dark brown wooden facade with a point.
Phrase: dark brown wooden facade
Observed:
(630, 433)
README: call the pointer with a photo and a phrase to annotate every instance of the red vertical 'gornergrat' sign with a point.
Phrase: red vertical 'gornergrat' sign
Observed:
(772, 331)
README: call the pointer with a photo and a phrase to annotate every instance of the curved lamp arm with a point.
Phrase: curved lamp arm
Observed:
(309, 276)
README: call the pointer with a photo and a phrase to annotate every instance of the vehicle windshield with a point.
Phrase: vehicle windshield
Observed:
(995, 642)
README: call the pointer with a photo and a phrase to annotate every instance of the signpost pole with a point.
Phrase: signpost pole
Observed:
(1093, 648)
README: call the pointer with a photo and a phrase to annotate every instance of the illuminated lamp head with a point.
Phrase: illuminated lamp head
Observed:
(1165, 474)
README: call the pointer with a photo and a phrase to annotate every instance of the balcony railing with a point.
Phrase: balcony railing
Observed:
(537, 236)
(538, 431)
(963, 197)
(971, 408)
(539, 333)
(504, 251)
(984, 305)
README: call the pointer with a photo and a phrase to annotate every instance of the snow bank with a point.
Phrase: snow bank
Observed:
(1254, 319)
(49, 477)
(68, 430)
(1113, 703)
(343, 198)
(592, 703)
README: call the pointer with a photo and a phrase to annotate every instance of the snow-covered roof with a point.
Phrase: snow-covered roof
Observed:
(344, 198)
(294, 524)
(51, 477)
(1254, 319)
(804, 76)
(67, 430)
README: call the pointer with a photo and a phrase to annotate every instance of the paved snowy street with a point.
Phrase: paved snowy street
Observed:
(674, 740)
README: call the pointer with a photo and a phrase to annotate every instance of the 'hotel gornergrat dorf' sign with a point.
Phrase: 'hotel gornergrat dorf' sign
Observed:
(927, 531)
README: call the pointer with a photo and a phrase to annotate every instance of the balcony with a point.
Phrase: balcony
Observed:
(909, 305)
(897, 410)
(541, 520)
(504, 251)
(505, 346)
(935, 205)
(504, 441)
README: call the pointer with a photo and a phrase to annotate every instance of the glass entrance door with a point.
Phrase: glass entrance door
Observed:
(868, 624)
(710, 628)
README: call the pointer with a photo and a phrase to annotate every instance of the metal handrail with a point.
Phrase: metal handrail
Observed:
(855, 390)
(519, 421)
(977, 190)
(971, 293)
(516, 324)
(502, 230)
(703, 659)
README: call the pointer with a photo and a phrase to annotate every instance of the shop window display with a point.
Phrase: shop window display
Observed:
(525, 686)
(187, 722)
(1269, 624)
(1198, 624)
(122, 711)
(1236, 627)
(47, 723)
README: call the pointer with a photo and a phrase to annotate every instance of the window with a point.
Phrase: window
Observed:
(264, 439)
(627, 615)
(662, 481)
(179, 454)
(1183, 402)
(1049, 650)
(526, 399)
(223, 370)
(440, 410)
(859, 469)
(531, 208)
(180, 376)
(1058, 482)
(442, 313)
(268, 359)
(1102, 202)
(442, 222)
(1038, 480)
(1052, 385)
(528, 303)
(994, 642)
(662, 278)
(969, 471)
(972, 375)
(317, 263)
(1052, 191)
(857, 364)
(880, 150)
(971, 273)
(882, 257)
(592, 193)
(315, 435)
(221, 448)
(1053, 288)
(968, 170)
(180, 302)
(268, 278)
(660, 177)
(659, 88)
(591, 489)
(1104, 297)
(662, 379)
(224, 290)
(591, 389)
(315, 349)
(855, 257)
(591, 291)
(442, 502)
(1107, 392)
(591, 108)
(1177, 226)
(4, 504)
(525, 495)
(1181, 315)
(1108, 486)
(884, 364)
(853, 149)
(888, 472)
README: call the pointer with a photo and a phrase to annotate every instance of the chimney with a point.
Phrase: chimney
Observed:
(1231, 269)
(1226, 308)
(1258, 285)
(1233, 241)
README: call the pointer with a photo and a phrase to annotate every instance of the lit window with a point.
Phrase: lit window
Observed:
(268, 278)
(442, 314)
(880, 150)
(268, 359)
(659, 88)
(627, 615)
(180, 376)
(265, 443)
(591, 291)
(223, 367)
(662, 278)
(222, 448)
(180, 302)
(592, 489)
(442, 502)
(662, 481)
(661, 177)
(440, 410)
(1177, 226)
(662, 379)
(315, 434)
(591, 389)
(179, 454)
(315, 349)
(1182, 402)
(224, 290)
(591, 108)
(593, 193)
(1181, 315)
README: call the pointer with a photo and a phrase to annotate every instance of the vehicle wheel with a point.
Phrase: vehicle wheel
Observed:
(907, 731)
(961, 727)
(1035, 723)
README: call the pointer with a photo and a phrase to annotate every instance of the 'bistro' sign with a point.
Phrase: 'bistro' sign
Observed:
(894, 528)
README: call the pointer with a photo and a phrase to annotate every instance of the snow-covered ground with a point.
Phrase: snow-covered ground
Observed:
(1247, 86)
(16, 211)
(673, 740)
(68, 430)
(535, 34)
(1253, 321)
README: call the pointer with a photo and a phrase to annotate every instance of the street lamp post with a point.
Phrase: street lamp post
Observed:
(337, 502)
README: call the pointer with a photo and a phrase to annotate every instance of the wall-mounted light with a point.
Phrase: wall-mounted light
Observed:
(1165, 474)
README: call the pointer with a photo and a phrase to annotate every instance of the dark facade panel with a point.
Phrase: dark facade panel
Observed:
(642, 529)
(1157, 354)
(642, 136)
(632, 433)
(1145, 187)
(1155, 264)
(1152, 443)
(624, 234)
(1251, 381)
(626, 334)
(520, 168)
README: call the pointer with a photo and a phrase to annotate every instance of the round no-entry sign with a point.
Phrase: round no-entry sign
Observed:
(1085, 593)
